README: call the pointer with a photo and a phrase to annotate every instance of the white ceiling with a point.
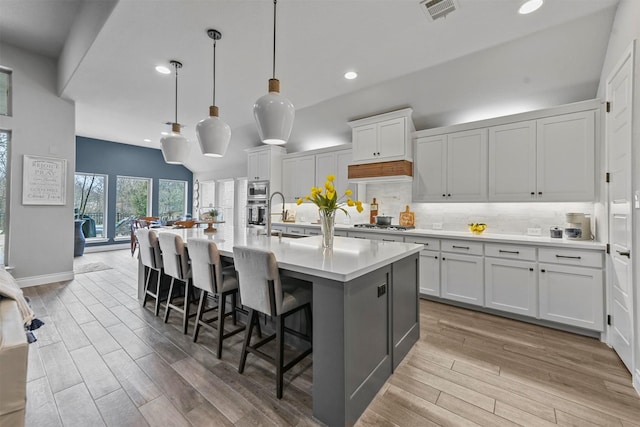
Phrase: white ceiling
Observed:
(482, 56)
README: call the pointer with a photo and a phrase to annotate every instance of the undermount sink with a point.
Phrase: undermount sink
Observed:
(289, 235)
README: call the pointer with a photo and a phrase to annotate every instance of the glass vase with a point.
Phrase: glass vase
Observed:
(327, 227)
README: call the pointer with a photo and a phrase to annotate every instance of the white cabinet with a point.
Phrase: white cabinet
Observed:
(385, 137)
(298, 176)
(429, 264)
(451, 167)
(462, 276)
(336, 163)
(511, 285)
(550, 159)
(572, 288)
(264, 164)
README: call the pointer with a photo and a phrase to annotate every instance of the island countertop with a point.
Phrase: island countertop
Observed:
(349, 258)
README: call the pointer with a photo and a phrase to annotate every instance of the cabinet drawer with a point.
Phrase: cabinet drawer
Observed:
(571, 257)
(312, 231)
(462, 247)
(428, 242)
(295, 230)
(525, 253)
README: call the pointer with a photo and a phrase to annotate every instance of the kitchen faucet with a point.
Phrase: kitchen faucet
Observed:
(270, 213)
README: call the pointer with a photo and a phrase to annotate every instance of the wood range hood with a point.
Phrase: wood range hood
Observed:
(398, 170)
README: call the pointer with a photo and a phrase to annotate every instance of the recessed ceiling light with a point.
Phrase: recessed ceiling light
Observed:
(350, 75)
(530, 6)
(164, 133)
(146, 140)
(162, 69)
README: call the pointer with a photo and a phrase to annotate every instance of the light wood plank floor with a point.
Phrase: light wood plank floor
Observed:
(103, 360)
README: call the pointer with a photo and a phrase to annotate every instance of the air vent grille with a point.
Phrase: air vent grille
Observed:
(438, 8)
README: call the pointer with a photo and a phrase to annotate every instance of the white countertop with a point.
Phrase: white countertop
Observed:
(349, 258)
(486, 237)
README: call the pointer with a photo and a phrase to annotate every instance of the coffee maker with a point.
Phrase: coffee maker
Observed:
(578, 226)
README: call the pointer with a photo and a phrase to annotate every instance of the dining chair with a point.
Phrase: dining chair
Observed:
(212, 278)
(137, 223)
(263, 290)
(175, 260)
(151, 258)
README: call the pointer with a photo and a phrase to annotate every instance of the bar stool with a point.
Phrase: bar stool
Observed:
(263, 290)
(176, 265)
(151, 259)
(212, 278)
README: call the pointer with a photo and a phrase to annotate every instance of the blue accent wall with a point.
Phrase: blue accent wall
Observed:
(115, 159)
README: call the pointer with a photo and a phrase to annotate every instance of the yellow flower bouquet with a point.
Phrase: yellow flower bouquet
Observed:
(328, 202)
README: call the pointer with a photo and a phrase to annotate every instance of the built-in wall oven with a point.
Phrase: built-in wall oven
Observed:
(257, 203)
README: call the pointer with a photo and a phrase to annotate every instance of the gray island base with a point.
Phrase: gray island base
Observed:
(365, 311)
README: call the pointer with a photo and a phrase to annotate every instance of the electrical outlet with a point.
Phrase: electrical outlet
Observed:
(534, 231)
(437, 226)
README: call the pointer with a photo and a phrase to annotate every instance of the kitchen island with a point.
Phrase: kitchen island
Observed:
(365, 310)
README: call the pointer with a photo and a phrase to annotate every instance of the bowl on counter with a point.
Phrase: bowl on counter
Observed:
(184, 224)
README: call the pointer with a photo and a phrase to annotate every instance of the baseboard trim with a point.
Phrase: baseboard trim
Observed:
(25, 282)
(104, 248)
(636, 381)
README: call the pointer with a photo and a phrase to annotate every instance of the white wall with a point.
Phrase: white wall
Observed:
(40, 237)
(625, 29)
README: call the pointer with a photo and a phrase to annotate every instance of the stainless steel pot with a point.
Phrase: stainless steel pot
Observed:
(383, 220)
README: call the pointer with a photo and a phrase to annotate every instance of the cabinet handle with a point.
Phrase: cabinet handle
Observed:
(569, 257)
(543, 271)
(444, 195)
(530, 268)
(388, 240)
(533, 193)
(460, 247)
(624, 253)
(539, 193)
(448, 195)
(378, 153)
(508, 252)
(435, 257)
(444, 259)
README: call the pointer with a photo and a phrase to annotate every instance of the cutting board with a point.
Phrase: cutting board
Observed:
(407, 218)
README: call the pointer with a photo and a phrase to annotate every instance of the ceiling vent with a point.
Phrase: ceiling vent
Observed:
(435, 9)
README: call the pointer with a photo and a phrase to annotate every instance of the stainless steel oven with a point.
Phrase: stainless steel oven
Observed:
(257, 213)
(258, 190)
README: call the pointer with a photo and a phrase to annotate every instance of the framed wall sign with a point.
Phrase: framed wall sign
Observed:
(44, 181)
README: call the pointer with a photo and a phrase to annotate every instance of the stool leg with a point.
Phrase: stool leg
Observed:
(234, 315)
(203, 297)
(222, 302)
(185, 317)
(146, 285)
(156, 309)
(247, 339)
(279, 355)
(166, 311)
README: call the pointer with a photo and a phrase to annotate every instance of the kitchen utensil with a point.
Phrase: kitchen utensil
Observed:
(555, 232)
(383, 220)
(407, 219)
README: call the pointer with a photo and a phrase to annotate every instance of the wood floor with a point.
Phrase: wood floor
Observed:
(102, 360)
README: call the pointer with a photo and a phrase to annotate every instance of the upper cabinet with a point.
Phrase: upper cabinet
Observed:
(298, 176)
(451, 167)
(539, 156)
(384, 137)
(551, 159)
(264, 164)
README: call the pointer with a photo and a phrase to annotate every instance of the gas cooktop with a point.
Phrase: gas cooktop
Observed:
(391, 227)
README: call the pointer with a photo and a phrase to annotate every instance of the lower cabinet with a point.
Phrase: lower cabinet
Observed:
(572, 295)
(511, 285)
(430, 273)
(462, 278)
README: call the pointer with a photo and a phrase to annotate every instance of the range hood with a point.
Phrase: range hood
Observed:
(394, 171)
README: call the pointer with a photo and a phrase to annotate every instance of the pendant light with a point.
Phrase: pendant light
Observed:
(175, 147)
(273, 112)
(213, 133)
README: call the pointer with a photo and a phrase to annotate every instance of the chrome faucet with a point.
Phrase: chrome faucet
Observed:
(270, 213)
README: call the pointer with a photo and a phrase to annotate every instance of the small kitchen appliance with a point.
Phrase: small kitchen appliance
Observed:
(578, 226)
(555, 232)
(257, 190)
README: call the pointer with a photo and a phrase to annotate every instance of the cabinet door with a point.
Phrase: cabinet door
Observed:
(430, 273)
(325, 165)
(289, 187)
(365, 142)
(572, 295)
(566, 150)
(264, 165)
(511, 286)
(305, 175)
(512, 162)
(462, 278)
(391, 138)
(252, 167)
(343, 158)
(467, 166)
(429, 169)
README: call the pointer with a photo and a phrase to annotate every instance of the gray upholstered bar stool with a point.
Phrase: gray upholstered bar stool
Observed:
(176, 265)
(263, 290)
(151, 259)
(211, 277)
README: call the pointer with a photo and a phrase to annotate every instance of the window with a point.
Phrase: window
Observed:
(226, 200)
(5, 92)
(90, 201)
(133, 199)
(173, 198)
(4, 187)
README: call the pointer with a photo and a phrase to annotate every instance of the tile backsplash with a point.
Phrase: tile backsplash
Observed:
(502, 218)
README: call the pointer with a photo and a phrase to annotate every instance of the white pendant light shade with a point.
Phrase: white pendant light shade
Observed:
(175, 147)
(274, 116)
(213, 134)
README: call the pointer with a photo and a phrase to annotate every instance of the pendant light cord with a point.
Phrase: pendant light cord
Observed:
(274, 37)
(214, 73)
(176, 110)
